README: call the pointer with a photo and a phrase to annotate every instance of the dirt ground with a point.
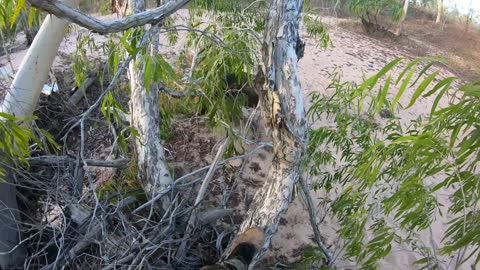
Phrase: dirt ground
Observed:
(353, 54)
(453, 41)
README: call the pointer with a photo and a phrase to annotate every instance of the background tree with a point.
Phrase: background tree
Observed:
(439, 11)
(376, 15)
(398, 28)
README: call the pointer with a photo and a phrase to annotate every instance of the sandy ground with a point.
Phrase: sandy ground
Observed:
(353, 55)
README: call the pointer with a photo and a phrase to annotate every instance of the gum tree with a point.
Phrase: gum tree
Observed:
(281, 96)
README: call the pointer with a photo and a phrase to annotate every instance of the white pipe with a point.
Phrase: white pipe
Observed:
(23, 95)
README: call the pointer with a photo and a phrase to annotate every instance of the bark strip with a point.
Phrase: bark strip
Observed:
(284, 111)
(153, 171)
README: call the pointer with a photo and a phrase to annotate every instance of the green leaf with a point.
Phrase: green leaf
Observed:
(402, 89)
(372, 81)
(31, 16)
(8, 116)
(447, 81)
(471, 89)
(382, 95)
(18, 9)
(421, 88)
(437, 99)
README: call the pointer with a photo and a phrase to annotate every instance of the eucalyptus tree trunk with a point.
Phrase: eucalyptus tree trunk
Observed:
(21, 101)
(153, 171)
(398, 29)
(283, 107)
(439, 10)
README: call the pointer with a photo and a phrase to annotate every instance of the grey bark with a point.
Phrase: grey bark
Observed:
(108, 26)
(283, 107)
(81, 91)
(12, 252)
(153, 171)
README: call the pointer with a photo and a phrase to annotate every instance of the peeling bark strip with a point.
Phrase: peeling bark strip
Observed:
(284, 110)
(153, 16)
(152, 167)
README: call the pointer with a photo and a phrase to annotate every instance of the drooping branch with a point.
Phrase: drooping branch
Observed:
(153, 16)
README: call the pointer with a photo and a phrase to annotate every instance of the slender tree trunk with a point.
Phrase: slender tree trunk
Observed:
(284, 111)
(398, 29)
(153, 171)
(21, 101)
(439, 10)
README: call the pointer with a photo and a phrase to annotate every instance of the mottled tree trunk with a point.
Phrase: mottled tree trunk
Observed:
(439, 10)
(284, 112)
(153, 171)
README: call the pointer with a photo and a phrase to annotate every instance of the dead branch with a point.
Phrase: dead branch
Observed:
(211, 171)
(194, 173)
(81, 91)
(313, 220)
(153, 16)
(62, 160)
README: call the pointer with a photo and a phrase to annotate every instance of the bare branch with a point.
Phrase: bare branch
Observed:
(312, 214)
(153, 16)
(55, 160)
(196, 172)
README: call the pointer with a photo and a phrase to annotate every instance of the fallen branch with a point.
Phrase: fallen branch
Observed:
(177, 94)
(196, 172)
(211, 171)
(60, 160)
(81, 91)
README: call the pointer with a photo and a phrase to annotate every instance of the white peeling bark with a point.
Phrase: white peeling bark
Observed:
(153, 171)
(284, 111)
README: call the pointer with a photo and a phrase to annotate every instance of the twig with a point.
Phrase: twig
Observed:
(58, 160)
(201, 170)
(211, 171)
(312, 213)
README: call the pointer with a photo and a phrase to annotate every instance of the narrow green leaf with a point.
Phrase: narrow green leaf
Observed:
(437, 99)
(18, 9)
(439, 85)
(382, 95)
(31, 15)
(421, 88)
(402, 89)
